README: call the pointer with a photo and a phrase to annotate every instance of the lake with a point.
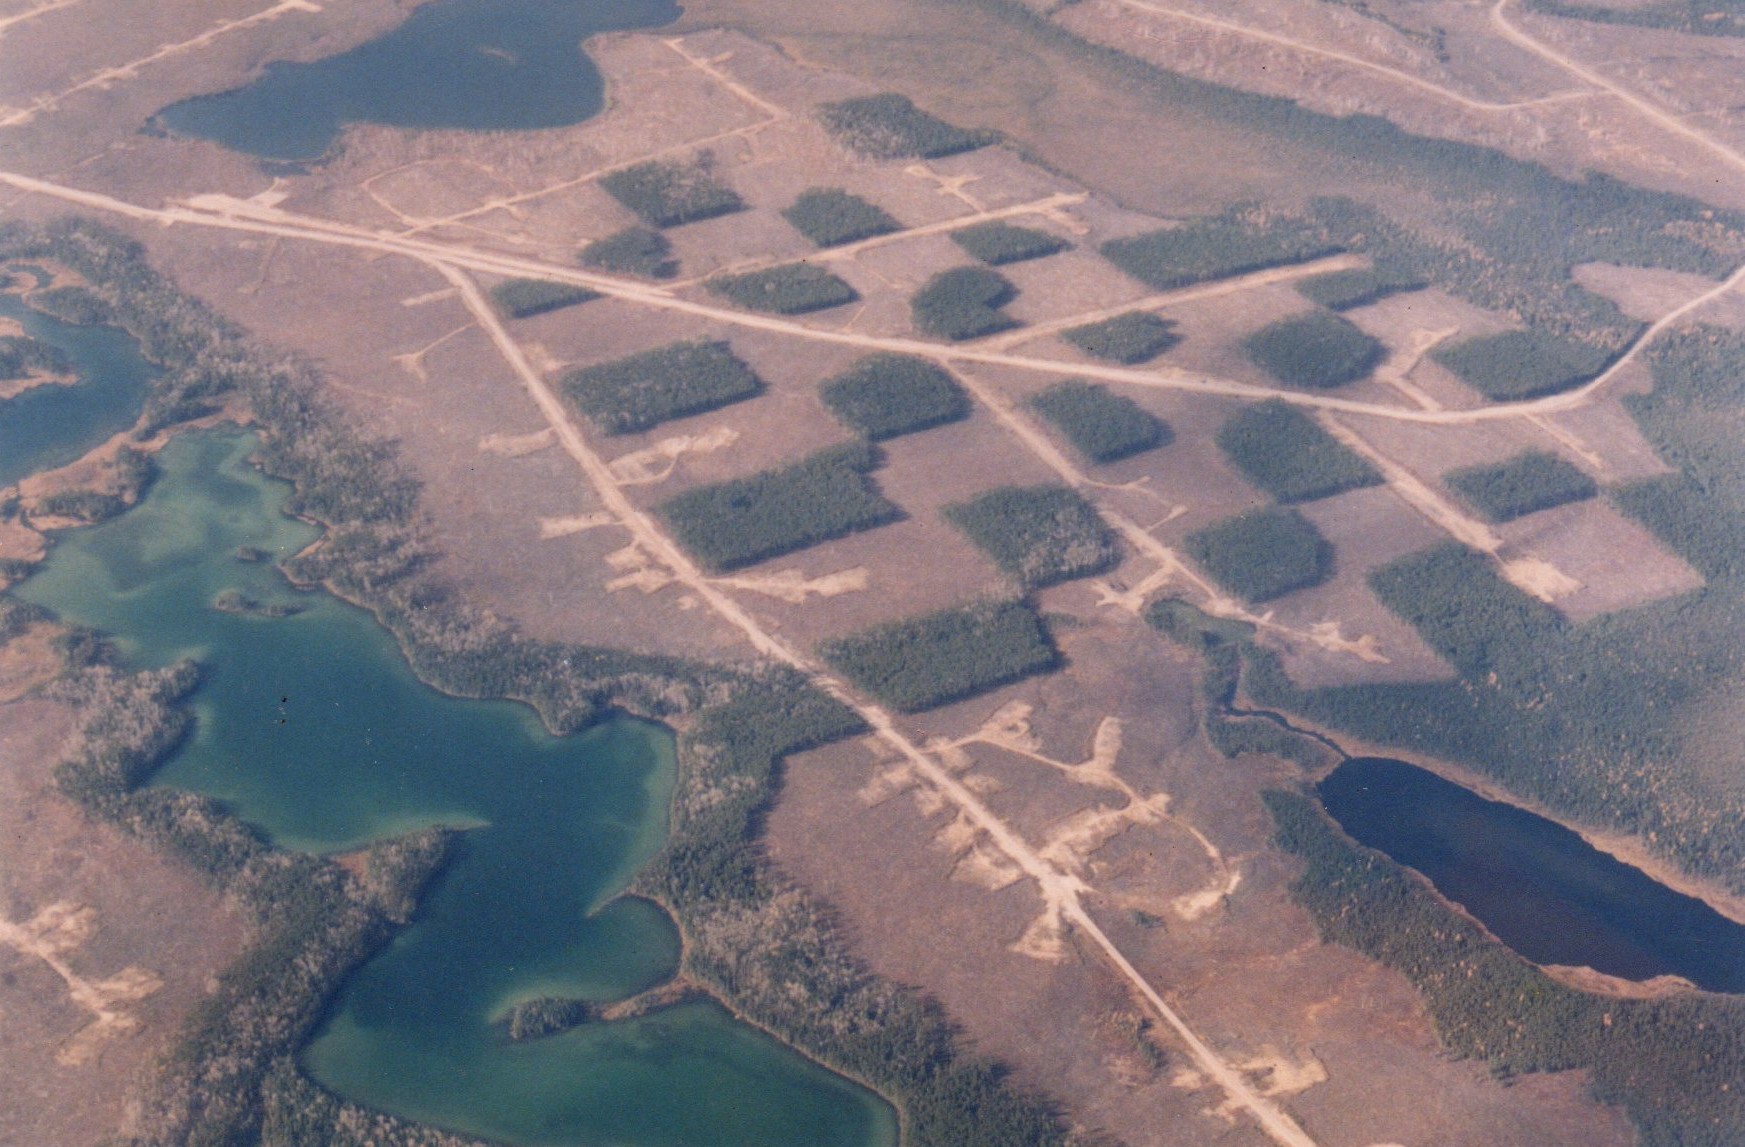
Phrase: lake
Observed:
(480, 65)
(1541, 888)
(52, 425)
(312, 727)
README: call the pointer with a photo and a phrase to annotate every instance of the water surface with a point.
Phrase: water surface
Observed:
(1542, 889)
(51, 425)
(480, 65)
(312, 727)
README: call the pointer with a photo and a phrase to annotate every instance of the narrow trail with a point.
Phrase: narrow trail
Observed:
(32, 13)
(1649, 110)
(226, 213)
(1061, 892)
(108, 76)
(1398, 75)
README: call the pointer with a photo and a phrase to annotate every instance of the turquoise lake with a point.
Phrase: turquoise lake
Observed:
(52, 425)
(480, 65)
(312, 727)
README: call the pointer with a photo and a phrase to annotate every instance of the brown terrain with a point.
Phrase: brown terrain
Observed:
(1065, 863)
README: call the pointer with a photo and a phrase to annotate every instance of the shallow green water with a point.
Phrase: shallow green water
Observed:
(314, 729)
(49, 426)
(482, 65)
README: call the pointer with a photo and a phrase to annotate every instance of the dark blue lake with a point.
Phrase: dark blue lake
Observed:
(481, 65)
(1542, 889)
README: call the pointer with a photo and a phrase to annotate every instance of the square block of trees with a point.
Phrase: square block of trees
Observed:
(1284, 452)
(1129, 339)
(646, 389)
(999, 243)
(1263, 554)
(632, 251)
(886, 395)
(922, 662)
(890, 126)
(524, 298)
(1037, 535)
(1215, 248)
(1358, 287)
(1317, 351)
(964, 303)
(1102, 426)
(1523, 485)
(733, 524)
(1516, 365)
(830, 216)
(793, 289)
(666, 193)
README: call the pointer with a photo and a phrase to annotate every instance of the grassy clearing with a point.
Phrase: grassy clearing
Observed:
(1344, 290)
(667, 193)
(890, 126)
(886, 395)
(997, 244)
(946, 656)
(793, 289)
(737, 523)
(1284, 452)
(830, 216)
(1234, 243)
(1263, 554)
(524, 298)
(1317, 351)
(1522, 485)
(1129, 339)
(964, 303)
(1037, 535)
(1517, 365)
(1103, 427)
(643, 390)
(632, 251)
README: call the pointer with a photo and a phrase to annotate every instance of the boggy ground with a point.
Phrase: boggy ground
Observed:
(104, 946)
(1185, 884)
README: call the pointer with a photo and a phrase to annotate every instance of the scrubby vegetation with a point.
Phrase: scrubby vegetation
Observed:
(667, 193)
(1673, 1063)
(753, 938)
(1319, 350)
(1263, 554)
(524, 298)
(1344, 290)
(646, 389)
(1524, 484)
(1692, 17)
(1135, 337)
(1241, 240)
(548, 1015)
(886, 395)
(827, 495)
(21, 355)
(794, 289)
(830, 217)
(1103, 427)
(1283, 451)
(890, 126)
(632, 251)
(78, 305)
(946, 656)
(1037, 535)
(1516, 365)
(997, 243)
(964, 303)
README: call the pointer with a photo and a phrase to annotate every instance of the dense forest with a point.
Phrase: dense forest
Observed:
(997, 243)
(1101, 425)
(887, 395)
(890, 126)
(645, 389)
(1522, 485)
(791, 289)
(667, 193)
(922, 662)
(1316, 351)
(632, 251)
(1286, 453)
(1263, 554)
(830, 216)
(524, 298)
(964, 303)
(1038, 535)
(1129, 339)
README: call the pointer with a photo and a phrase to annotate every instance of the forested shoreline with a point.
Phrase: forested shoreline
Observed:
(765, 947)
